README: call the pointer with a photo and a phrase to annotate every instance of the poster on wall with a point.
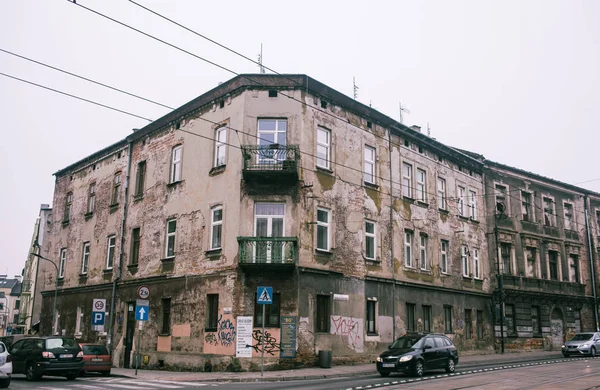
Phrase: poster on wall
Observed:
(288, 337)
(243, 347)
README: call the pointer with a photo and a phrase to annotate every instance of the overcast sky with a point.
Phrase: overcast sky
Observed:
(514, 80)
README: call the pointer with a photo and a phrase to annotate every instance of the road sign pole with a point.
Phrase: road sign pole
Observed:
(137, 349)
(262, 354)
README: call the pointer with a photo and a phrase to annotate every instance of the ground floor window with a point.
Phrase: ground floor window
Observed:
(271, 313)
(468, 324)
(426, 318)
(322, 315)
(411, 322)
(448, 319)
(480, 324)
(371, 316)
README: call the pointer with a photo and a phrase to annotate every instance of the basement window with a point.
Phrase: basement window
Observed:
(272, 93)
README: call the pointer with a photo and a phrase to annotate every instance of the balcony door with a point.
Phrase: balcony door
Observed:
(269, 222)
(270, 132)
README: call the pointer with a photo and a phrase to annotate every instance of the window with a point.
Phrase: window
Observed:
(568, 211)
(369, 165)
(220, 146)
(370, 240)
(464, 255)
(166, 316)
(176, 164)
(408, 236)
(110, 253)
(411, 320)
(271, 313)
(509, 313)
(598, 220)
(441, 191)
(63, 263)
(473, 205)
(407, 180)
(272, 93)
(448, 319)
(535, 321)
(114, 199)
(444, 246)
(423, 247)
(78, 320)
(135, 246)
(323, 148)
(526, 214)
(216, 230)
(501, 193)
(140, 177)
(505, 250)
(461, 201)
(468, 324)
(573, 268)
(426, 318)
(91, 198)
(371, 316)
(476, 264)
(272, 132)
(68, 207)
(530, 257)
(85, 258)
(480, 324)
(171, 230)
(548, 211)
(553, 264)
(212, 312)
(421, 186)
(323, 229)
(322, 315)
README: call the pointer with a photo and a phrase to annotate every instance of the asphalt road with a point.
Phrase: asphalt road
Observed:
(572, 374)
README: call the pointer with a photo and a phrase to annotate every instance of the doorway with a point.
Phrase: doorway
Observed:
(269, 222)
(129, 333)
(556, 323)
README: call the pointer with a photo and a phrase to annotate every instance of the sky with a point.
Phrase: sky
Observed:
(515, 80)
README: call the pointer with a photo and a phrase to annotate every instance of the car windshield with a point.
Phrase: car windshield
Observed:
(582, 336)
(94, 350)
(408, 342)
(61, 343)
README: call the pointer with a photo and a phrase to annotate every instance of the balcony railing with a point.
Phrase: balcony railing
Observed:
(523, 283)
(272, 252)
(552, 231)
(572, 235)
(264, 161)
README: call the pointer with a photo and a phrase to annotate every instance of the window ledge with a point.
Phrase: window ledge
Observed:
(213, 252)
(132, 268)
(371, 185)
(324, 170)
(138, 197)
(175, 183)
(83, 276)
(444, 211)
(168, 259)
(107, 271)
(217, 170)
(373, 261)
(462, 217)
(323, 252)
(60, 281)
(408, 198)
(164, 334)
(474, 220)
(422, 204)
(114, 207)
(372, 334)
(65, 223)
(210, 329)
(88, 216)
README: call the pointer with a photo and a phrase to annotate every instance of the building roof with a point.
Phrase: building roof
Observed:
(16, 289)
(6, 283)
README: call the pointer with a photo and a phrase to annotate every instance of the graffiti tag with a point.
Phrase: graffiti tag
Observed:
(266, 341)
(348, 327)
(225, 331)
(210, 338)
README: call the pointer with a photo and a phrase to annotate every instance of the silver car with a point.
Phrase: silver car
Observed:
(587, 343)
(5, 366)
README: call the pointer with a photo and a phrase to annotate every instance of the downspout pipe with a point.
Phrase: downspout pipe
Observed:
(392, 239)
(117, 279)
(591, 257)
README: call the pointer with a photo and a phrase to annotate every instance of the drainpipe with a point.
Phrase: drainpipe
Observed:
(591, 256)
(116, 280)
(392, 239)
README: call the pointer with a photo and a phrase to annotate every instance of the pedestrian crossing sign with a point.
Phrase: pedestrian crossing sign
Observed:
(264, 295)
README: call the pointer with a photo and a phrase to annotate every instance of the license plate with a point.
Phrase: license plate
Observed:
(66, 356)
(388, 365)
(97, 359)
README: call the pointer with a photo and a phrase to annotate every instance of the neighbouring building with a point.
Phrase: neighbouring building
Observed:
(10, 289)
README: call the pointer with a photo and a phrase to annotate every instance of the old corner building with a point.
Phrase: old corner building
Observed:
(364, 228)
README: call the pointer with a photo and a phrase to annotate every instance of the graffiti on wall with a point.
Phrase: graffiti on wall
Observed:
(222, 341)
(210, 338)
(351, 330)
(225, 331)
(268, 341)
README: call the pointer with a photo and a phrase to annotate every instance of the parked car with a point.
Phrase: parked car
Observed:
(6, 367)
(54, 356)
(11, 339)
(415, 353)
(95, 359)
(587, 343)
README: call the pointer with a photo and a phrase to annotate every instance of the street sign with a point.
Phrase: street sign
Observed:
(99, 305)
(143, 292)
(9, 330)
(264, 295)
(98, 318)
(142, 310)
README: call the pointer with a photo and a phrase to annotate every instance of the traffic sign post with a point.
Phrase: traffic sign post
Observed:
(142, 311)
(98, 314)
(264, 296)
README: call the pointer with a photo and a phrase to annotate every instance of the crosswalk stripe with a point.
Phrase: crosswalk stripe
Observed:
(160, 385)
(86, 386)
(123, 386)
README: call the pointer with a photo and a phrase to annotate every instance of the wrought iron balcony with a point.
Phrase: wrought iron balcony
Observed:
(532, 285)
(275, 253)
(270, 162)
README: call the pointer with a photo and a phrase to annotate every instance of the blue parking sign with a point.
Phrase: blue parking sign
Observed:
(98, 318)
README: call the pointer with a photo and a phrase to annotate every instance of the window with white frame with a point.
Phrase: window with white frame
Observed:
(170, 241)
(549, 213)
(369, 165)
(464, 254)
(421, 187)
(370, 236)
(176, 164)
(476, 264)
(216, 230)
(568, 211)
(441, 192)
(85, 258)
(91, 198)
(78, 320)
(116, 187)
(500, 194)
(371, 316)
(323, 233)
(530, 262)
(461, 201)
(423, 247)
(473, 205)
(407, 180)
(444, 249)
(323, 148)
(220, 146)
(110, 253)
(62, 263)
(68, 207)
(408, 237)
(526, 212)
(573, 268)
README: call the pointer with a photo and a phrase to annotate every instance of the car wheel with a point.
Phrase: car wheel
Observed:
(384, 374)
(593, 352)
(566, 355)
(418, 369)
(72, 375)
(4, 383)
(451, 365)
(30, 373)
(106, 373)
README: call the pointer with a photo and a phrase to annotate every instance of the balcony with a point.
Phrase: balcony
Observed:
(530, 227)
(270, 163)
(525, 284)
(551, 231)
(268, 253)
(572, 235)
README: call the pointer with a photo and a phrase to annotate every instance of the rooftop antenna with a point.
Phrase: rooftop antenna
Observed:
(402, 110)
(355, 88)
(428, 130)
(260, 61)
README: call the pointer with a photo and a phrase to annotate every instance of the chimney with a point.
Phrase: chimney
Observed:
(416, 128)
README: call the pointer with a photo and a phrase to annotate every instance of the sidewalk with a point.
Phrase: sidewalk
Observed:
(317, 372)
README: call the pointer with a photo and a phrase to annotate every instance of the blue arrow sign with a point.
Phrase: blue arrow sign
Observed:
(98, 318)
(141, 313)
(264, 295)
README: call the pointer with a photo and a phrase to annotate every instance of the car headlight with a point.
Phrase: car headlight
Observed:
(563, 346)
(379, 359)
(405, 358)
(584, 345)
